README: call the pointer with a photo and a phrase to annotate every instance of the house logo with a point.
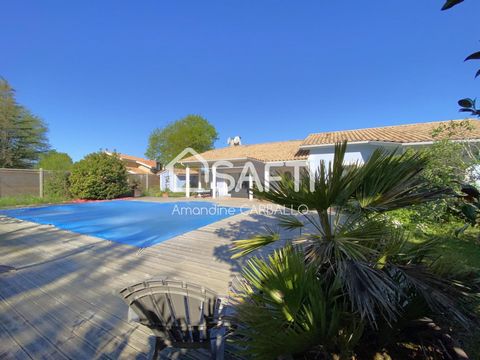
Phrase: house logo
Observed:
(170, 167)
(247, 174)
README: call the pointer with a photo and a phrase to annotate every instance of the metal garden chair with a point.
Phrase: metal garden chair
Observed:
(180, 314)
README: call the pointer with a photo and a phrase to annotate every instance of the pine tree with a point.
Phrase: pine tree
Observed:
(22, 134)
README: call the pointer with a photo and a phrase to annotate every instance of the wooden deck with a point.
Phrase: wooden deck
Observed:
(62, 300)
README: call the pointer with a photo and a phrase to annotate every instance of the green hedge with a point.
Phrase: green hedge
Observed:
(57, 185)
(99, 176)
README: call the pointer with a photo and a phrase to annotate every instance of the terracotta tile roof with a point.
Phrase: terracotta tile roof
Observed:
(409, 133)
(274, 151)
(184, 172)
(151, 163)
(136, 170)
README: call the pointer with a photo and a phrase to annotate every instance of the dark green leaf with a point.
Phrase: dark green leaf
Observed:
(451, 3)
(470, 190)
(290, 222)
(474, 56)
(246, 246)
(461, 230)
(466, 103)
(470, 212)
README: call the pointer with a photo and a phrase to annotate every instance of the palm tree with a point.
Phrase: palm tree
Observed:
(348, 238)
(287, 310)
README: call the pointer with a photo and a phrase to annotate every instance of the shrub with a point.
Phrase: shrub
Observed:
(285, 310)
(153, 192)
(449, 163)
(389, 282)
(58, 185)
(175, 194)
(99, 176)
(159, 193)
(54, 160)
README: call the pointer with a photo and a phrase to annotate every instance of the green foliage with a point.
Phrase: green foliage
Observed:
(54, 160)
(12, 201)
(285, 310)
(245, 247)
(57, 185)
(153, 192)
(474, 56)
(22, 134)
(192, 131)
(451, 3)
(461, 256)
(99, 176)
(466, 105)
(467, 207)
(159, 193)
(351, 240)
(470, 105)
(447, 160)
(447, 165)
(175, 194)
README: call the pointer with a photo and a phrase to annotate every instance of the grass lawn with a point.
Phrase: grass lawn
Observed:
(159, 193)
(463, 252)
(13, 201)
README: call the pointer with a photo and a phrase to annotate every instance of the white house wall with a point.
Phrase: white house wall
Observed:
(355, 153)
(166, 181)
(170, 181)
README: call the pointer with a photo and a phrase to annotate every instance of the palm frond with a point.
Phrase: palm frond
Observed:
(330, 185)
(290, 222)
(443, 295)
(390, 181)
(246, 246)
(286, 309)
(370, 291)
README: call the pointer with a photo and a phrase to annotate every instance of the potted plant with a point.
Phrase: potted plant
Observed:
(135, 186)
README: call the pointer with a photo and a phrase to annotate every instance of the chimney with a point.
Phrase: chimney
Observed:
(235, 141)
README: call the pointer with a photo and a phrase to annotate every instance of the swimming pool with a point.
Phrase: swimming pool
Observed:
(137, 223)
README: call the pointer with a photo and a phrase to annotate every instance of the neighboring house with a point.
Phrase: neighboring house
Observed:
(137, 165)
(287, 156)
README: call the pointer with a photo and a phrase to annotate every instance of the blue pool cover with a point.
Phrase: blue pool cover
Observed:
(136, 223)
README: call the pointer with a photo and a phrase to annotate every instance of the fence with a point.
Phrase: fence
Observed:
(17, 182)
(145, 181)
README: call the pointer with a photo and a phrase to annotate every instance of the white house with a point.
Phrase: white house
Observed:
(289, 156)
(175, 179)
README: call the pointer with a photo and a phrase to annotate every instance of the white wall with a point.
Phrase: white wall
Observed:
(165, 180)
(170, 181)
(355, 153)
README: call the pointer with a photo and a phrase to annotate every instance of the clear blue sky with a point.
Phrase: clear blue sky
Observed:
(104, 74)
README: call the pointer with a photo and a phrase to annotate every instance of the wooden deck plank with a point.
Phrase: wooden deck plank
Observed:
(161, 263)
(63, 299)
(109, 311)
(80, 330)
(27, 333)
(10, 348)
